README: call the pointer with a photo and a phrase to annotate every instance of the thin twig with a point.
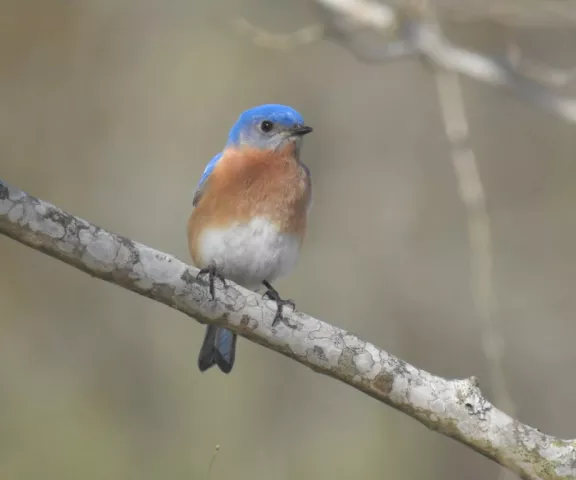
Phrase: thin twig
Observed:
(212, 460)
(529, 82)
(473, 197)
(279, 41)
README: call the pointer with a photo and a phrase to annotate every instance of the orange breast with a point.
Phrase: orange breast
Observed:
(249, 183)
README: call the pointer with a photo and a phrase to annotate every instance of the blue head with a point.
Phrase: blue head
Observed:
(268, 127)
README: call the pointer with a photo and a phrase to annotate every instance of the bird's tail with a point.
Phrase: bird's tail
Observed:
(218, 348)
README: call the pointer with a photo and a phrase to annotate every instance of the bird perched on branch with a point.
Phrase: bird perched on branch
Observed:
(250, 212)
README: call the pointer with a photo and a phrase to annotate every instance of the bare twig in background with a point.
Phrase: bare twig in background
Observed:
(523, 13)
(474, 199)
(363, 13)
(455, 408)
(418, 38)
(287, 41)
(552, 77)
(426, 39)
(212, 460)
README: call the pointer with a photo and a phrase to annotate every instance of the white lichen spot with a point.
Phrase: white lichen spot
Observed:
(316, 331)
(251, 301)
(271, 305)
(100, 253)
(364, 362)
(40, 209)
(86, 236)
(236, 298)
(282, 334)
(32, 219)
(5, 206)
(353, 342)
(401, 389)
(16, 195)
(49, 227)
(420, 396)
(123, 257)
(376, 355)
(438, 405)
(155, 268)
(299, 348)
(16, 213)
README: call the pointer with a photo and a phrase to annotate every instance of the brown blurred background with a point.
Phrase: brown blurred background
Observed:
(111, 108)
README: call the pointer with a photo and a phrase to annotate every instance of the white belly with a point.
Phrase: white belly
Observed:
(249, 253)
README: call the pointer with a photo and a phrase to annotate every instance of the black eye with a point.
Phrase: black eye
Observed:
(266, 126)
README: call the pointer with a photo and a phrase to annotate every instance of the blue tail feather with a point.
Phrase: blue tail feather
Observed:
(218, 348)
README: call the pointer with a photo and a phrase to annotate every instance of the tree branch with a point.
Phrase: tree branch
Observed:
(455, 408)
(417, 36)
(473, 196)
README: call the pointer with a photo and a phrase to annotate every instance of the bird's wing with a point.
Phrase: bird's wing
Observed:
(203, 179)
(308, 187)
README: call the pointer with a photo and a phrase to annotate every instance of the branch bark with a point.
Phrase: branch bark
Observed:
(455, 408)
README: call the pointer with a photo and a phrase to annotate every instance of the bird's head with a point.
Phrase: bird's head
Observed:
(269, 127)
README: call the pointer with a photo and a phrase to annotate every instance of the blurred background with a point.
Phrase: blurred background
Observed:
(111, 108)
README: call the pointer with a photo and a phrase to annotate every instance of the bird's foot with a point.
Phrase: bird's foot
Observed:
(213, 273)
(272, 294)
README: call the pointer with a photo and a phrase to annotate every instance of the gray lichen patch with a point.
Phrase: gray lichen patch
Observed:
(5, 205)
(154, 267)
(124, 257)
(16, 213)
(100, 253)
(53, 229)
(383, 383)
(346, 363)
(247, 323)
(316, 355)
(364, 362)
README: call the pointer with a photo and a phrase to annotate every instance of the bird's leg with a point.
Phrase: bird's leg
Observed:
(272, 294)
(212, 273)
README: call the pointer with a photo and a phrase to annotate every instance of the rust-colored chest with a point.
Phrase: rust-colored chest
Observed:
(250, 183)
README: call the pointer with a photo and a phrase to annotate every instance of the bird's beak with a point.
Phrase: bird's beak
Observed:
(300, 130)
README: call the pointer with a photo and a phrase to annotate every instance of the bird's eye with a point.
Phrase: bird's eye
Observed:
(266, 126)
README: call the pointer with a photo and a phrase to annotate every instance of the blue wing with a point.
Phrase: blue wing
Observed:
(201, 184)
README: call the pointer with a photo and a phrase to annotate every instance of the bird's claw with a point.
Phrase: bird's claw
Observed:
(272, 294)
(212, 273)
(281, 318)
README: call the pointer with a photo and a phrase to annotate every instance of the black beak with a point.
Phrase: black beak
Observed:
(300, 130)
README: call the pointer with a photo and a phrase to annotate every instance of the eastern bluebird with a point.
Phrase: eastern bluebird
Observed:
(250, 212)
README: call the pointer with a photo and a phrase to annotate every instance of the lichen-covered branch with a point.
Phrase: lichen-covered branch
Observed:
(455, 408)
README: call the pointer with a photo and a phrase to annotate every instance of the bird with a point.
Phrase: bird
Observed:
(249, 215)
